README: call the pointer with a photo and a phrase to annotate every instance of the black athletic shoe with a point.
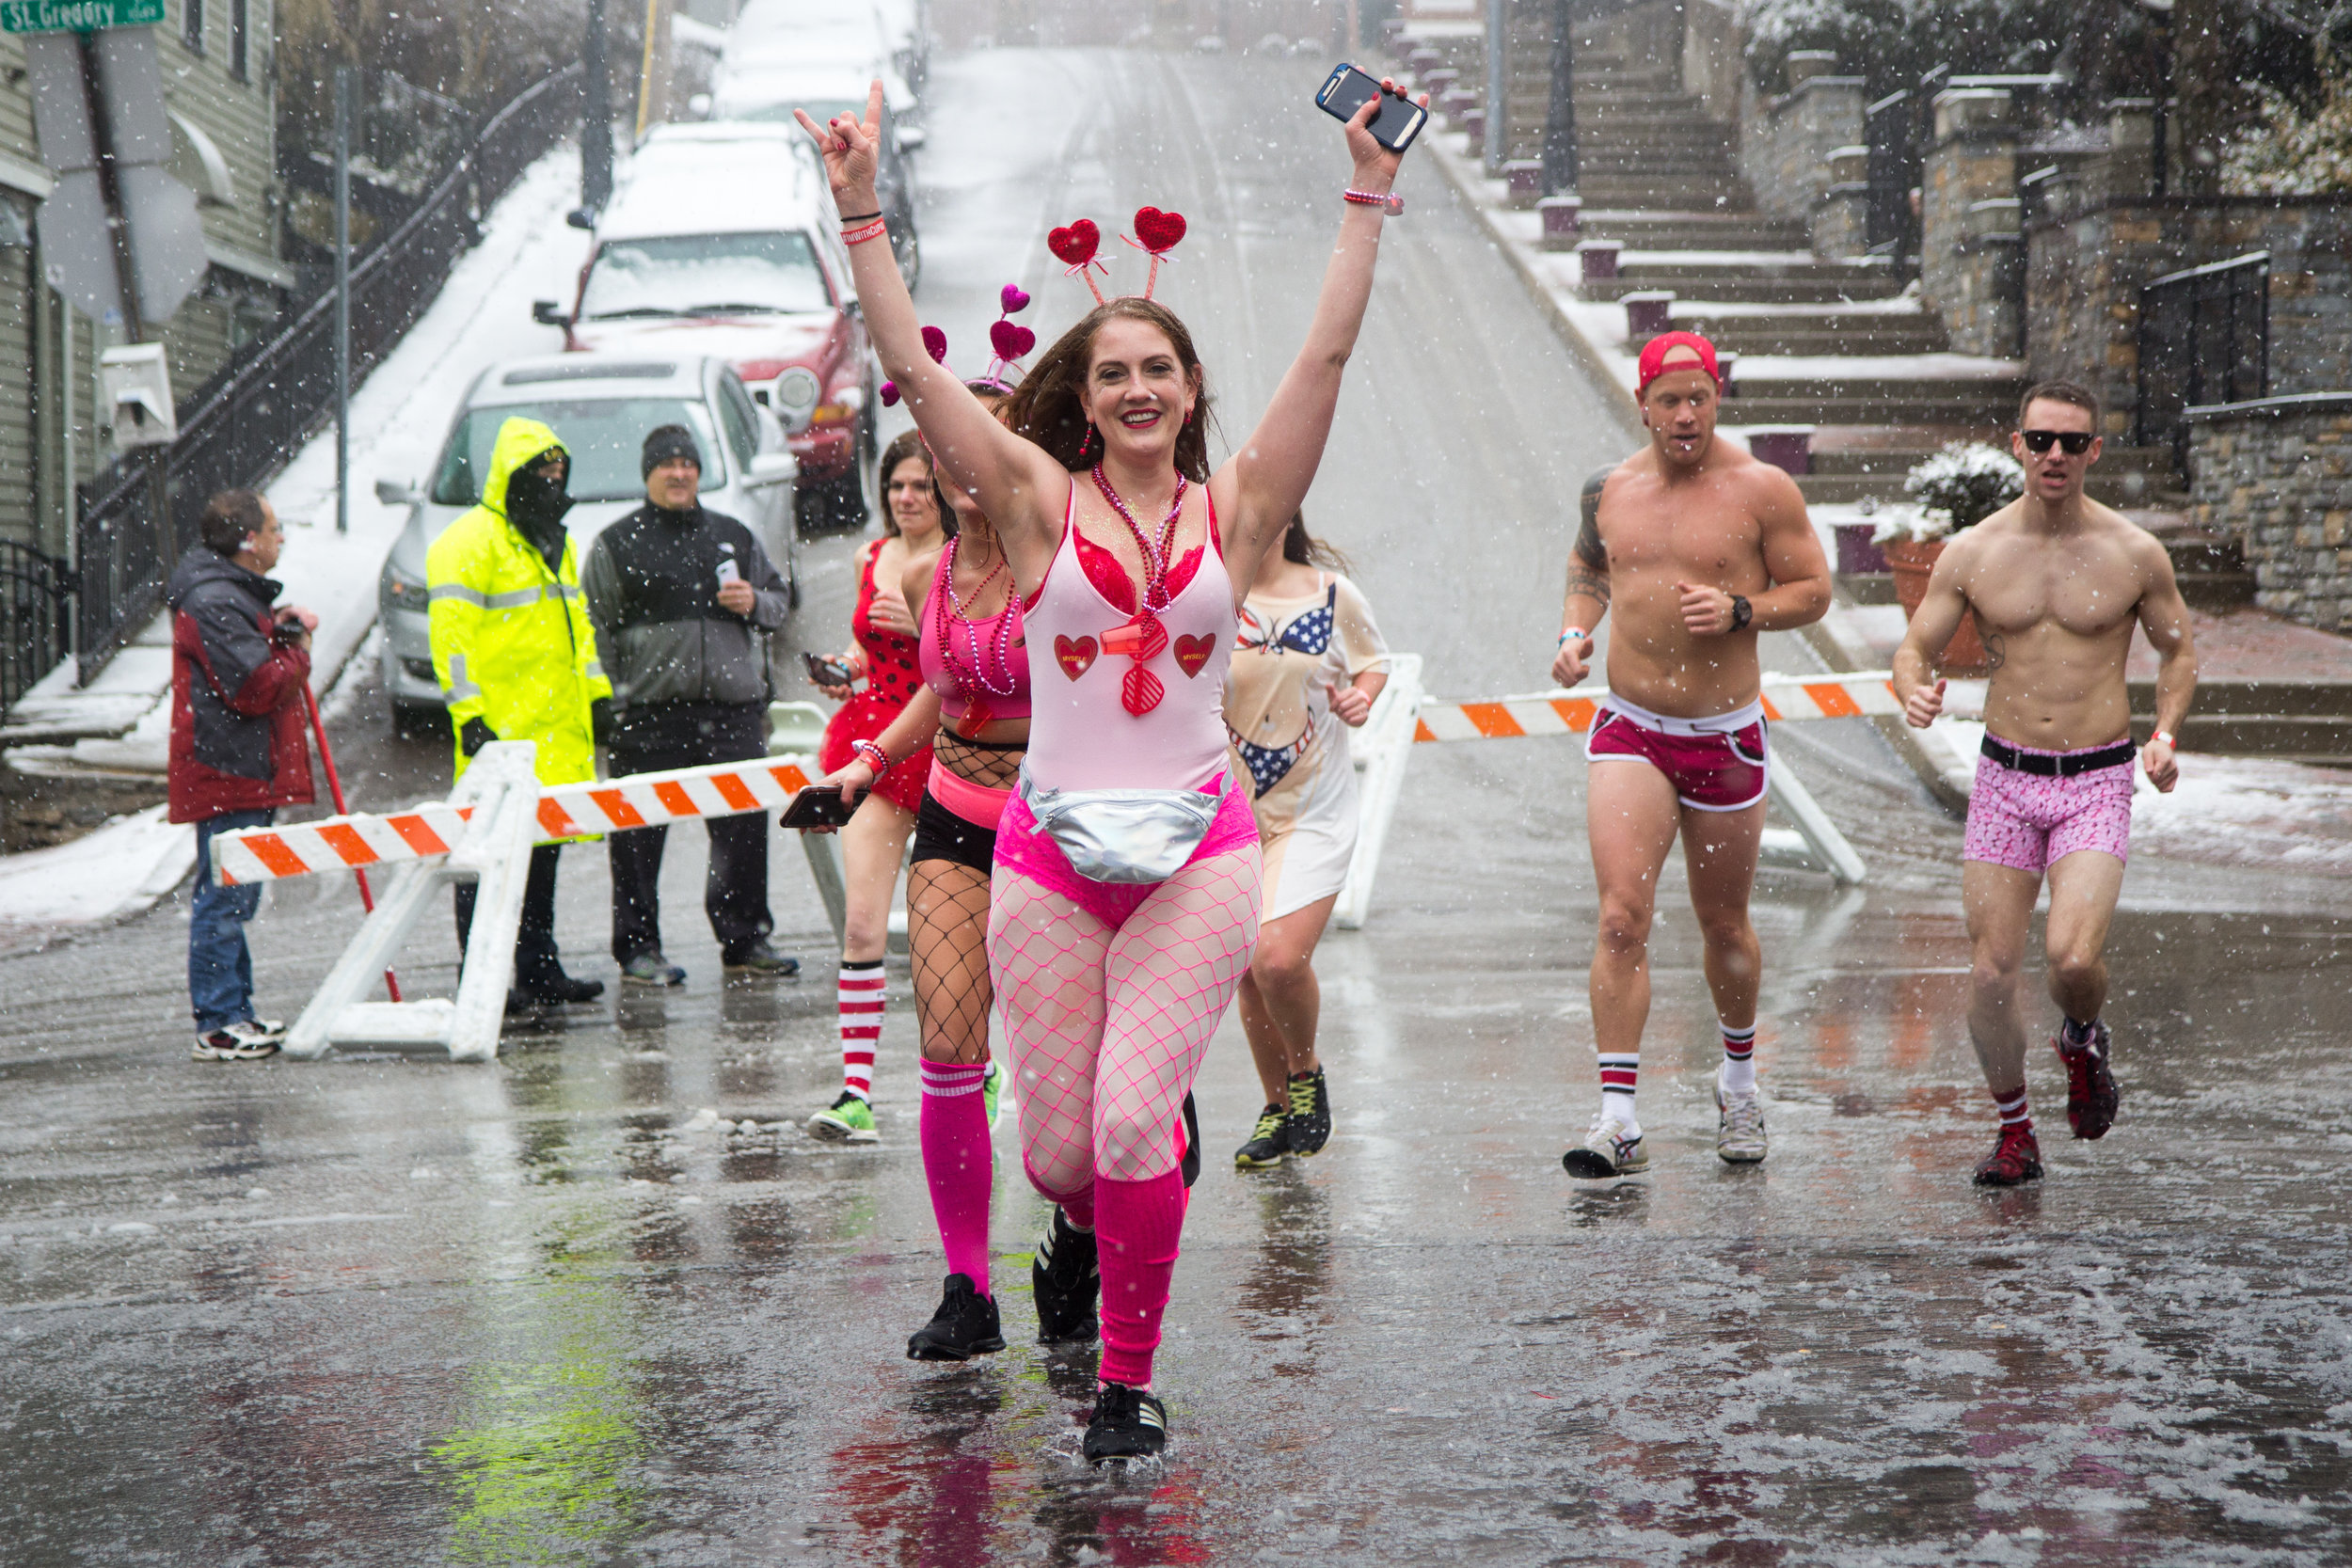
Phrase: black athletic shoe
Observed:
(1067, 1281)
(561, 991)
(964, 1327)
(1190, 1164)
(1128, 1424)
(1268, 1141)
(1311, 1112)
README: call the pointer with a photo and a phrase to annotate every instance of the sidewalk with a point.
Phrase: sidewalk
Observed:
(118, 727)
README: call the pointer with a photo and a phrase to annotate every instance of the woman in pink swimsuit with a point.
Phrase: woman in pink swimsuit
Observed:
(1130, 558)
(972, 716)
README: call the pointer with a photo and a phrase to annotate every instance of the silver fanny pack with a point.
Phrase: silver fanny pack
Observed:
(1122, 836)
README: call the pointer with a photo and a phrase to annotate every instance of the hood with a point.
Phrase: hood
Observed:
(738, 340)
(519, 441)
(203, 565)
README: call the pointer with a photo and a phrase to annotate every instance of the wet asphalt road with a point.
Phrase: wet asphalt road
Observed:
(378, 1311)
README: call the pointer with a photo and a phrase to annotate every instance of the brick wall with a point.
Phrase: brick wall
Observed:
(2277, 476)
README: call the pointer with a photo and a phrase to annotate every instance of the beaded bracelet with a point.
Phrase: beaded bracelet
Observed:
(873, 231)
(873, 754)
(1388, 200)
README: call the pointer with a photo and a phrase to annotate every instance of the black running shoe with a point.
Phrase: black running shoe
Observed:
(1128, 1424)
(2091, 1097)
(964, 1327)
(560, 990)
(1190, 1164)
(1311, 1112)
(1268, 1141)
(1067, 1281)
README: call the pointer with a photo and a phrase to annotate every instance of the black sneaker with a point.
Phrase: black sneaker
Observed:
(561, 991)
(1311, 1112)
(1268, 1141)
(1067, 1281)
(760, 958)
(1190, 1164)
(1128, 1424)
(964, 1327)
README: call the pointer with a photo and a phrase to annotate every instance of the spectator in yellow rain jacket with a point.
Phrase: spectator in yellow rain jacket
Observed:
(516, 659)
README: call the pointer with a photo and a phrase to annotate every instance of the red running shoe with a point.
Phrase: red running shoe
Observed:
(2014, 1159)
(2091, 1097)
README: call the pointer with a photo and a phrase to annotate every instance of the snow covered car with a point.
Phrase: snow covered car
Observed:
(602, 405)
(722, 239)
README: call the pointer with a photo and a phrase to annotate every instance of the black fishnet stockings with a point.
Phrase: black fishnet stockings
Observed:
(990, 767)
(948, 940)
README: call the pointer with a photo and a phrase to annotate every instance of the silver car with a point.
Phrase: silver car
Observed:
(602, 407)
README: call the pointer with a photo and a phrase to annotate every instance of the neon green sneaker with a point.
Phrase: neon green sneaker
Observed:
(846, 1120)
(992, 1094)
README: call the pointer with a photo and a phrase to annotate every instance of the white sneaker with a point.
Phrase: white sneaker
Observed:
(1606, 1151)
(1739, 1126)
(241, 1041)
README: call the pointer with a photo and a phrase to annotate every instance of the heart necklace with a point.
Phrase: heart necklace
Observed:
(1142, 638)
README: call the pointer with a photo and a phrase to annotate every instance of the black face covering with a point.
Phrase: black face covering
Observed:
(536, 504)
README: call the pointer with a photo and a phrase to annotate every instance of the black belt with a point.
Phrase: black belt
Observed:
(2063, 766)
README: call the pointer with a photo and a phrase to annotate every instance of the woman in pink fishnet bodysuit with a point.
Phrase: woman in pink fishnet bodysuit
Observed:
(1130, 557)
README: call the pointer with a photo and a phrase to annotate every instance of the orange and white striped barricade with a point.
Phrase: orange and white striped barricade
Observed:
(1378, 750)
(1815, 844)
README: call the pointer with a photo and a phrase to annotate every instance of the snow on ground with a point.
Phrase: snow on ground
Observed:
(398, 418)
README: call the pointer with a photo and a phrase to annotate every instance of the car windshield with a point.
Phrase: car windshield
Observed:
(605, 436)
(690, 275)
(822, 110)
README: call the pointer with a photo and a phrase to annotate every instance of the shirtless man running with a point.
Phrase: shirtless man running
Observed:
(2057, 581)
(1700, 546)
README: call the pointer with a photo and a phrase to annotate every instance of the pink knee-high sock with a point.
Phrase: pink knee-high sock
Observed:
(954, 1130)
(1142, 1225)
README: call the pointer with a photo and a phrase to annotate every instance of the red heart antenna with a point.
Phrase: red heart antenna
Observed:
(1076, 244)
(1158, 234)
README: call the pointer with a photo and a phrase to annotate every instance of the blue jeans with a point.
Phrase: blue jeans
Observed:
(220, 971)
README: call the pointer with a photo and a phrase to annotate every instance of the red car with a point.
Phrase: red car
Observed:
(721, 240)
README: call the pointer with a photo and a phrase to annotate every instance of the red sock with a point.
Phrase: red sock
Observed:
(860, 1001)
(1141, 1230)
(954, 1133)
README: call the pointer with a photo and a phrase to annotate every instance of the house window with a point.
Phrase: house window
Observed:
(192, 26)
(236, 38)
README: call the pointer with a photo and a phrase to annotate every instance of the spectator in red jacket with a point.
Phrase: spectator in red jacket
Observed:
(238, 751)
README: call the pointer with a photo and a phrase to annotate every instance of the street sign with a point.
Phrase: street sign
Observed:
(77, 16)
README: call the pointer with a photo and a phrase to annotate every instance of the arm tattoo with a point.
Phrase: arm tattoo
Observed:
(1588, 583)
(1589, 549)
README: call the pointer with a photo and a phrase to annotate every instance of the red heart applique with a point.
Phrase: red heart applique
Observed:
(1010, 339)
(1077, 244)
(1141, 691)
(1074, 654)
(1158, 231)
(1193, 651)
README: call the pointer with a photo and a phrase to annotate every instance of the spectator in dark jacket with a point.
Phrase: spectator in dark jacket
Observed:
(238, 751)
(683, 599)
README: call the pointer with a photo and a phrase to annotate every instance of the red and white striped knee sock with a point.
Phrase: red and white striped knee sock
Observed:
(861, 1003)
(2013, 1108)
(1738, 1059)
(1617, 1074)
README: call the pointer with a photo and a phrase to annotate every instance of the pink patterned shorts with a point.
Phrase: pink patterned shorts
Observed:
(2030, 821)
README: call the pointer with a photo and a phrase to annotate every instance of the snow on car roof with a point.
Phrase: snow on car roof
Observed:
(589, 376)
(757, 178)
(764, 82)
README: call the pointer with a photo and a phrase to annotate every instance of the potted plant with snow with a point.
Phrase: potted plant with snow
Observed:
(1959, 487)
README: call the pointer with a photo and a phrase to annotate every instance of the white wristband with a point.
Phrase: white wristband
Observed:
(2166, 736)
(1572, 631)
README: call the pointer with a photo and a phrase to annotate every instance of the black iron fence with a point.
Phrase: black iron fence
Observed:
(2204, 338)
(32, 618)
(244, 425)
(1891, 224)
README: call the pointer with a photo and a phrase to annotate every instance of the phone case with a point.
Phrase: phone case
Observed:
(1331, 84)
(815, 807)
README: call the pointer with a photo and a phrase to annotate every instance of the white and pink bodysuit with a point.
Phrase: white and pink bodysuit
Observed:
(1111, 991)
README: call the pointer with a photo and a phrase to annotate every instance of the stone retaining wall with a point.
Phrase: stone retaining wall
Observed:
(1802, 154)
(2277, 476)
(1972, 250)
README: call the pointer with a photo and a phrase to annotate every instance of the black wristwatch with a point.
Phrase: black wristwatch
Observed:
(1742, 612)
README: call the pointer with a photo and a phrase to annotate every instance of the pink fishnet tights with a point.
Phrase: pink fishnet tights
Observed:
(1108, 1028)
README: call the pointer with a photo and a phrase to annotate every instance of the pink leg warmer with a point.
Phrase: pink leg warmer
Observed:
(1142, 1225)
(955, 1161)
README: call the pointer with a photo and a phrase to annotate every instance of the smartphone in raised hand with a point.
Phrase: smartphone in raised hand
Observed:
(817, 806)
(1348, 90)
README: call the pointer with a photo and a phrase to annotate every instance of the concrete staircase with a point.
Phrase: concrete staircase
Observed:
(2294, 720)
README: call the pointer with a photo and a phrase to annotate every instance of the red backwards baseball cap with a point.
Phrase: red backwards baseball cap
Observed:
(1676, 351)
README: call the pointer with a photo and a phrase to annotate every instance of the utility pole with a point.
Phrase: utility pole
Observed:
(595, 120)
(1498, 85)
(1559, 170)
(342, 298)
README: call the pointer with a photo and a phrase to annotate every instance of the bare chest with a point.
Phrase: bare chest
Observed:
(1704, 537)
(2082, 588)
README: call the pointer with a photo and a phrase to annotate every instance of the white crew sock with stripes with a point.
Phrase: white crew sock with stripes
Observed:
(1738, 1059)
(1617, 1074)
(861, 1003)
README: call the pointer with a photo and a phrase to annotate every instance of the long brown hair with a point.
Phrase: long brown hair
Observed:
(1301, 549)
(906, 444)
(1049, 406)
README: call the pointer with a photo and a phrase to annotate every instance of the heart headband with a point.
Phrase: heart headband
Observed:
(1157, 234)
(1009, 337)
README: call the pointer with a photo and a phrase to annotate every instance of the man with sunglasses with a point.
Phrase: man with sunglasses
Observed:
(2056, 584)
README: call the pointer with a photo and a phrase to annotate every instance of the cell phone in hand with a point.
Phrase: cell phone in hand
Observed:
(828, 672)
(818, 806)
(729, 571)
(1348, 90)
